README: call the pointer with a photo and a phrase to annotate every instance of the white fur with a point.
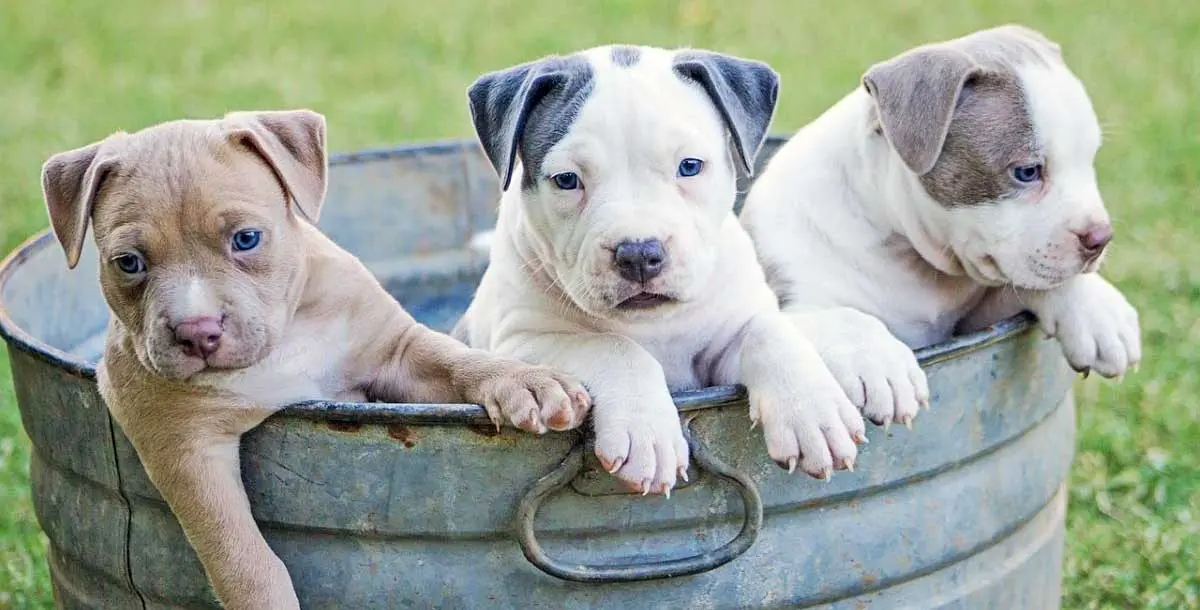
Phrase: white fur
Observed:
(550, 292)
(308, 364)
(871, 266)
(197, 301)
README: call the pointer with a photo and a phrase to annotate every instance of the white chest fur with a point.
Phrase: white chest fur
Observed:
(309, 364)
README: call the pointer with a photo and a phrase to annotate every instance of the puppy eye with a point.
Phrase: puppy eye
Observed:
(246, 240)
(567, 181)
(1027, 173)
(690, 167)
(130, 263)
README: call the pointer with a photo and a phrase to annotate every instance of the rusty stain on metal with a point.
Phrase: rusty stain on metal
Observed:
(344, 426)
(404, 434)
(484, 430)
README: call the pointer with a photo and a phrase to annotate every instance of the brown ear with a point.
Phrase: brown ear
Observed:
(292, 142)
(915, 94)
(70, 181)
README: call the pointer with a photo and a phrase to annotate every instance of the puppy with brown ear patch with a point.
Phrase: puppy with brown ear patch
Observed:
(228, 304)
(955, 186)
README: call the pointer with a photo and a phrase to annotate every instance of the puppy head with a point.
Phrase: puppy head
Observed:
(196, 224)
(1001, 137)
(626, 160)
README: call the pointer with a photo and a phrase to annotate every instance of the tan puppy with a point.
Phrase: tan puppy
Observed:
(228, 304)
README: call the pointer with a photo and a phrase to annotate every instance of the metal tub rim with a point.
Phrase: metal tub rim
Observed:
(440, 414)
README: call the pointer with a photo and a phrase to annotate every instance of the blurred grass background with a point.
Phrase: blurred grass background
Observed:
(73, 71)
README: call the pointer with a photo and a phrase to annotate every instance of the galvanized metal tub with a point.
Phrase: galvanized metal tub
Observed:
(397, 506)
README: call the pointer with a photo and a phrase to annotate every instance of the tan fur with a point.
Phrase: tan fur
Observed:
(301, 319)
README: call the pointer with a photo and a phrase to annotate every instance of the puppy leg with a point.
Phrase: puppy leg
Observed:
(1096, 326)
(638, 435)
(194, 464)
(427, 366)
(877, 371)
(807, 419)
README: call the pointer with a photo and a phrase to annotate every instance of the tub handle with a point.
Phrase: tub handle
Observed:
(573, 464)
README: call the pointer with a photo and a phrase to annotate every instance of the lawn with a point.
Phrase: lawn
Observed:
(73, 71)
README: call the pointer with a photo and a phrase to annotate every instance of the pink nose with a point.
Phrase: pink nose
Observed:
(1096, 238)
(199, 337)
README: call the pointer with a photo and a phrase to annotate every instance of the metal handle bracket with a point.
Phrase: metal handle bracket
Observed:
(631, 571)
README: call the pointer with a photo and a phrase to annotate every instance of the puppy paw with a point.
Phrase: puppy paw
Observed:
(808, 423)
(535, 399)
(644, 449)
(878, 373)
(1096, 326)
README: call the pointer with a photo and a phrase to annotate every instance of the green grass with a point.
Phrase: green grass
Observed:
(389, 71)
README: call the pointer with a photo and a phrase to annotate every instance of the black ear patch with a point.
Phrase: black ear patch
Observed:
(527, 108)
(744, 91)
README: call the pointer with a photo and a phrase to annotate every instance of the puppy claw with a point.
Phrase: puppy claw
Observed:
(848, 463)
(887, 424)
(791, 464)
(667, 491)
(683, 473)
(908, 423)
(827, 475)
(614, 466)
(646, 487)
(1086, 372)
(753, 424)
(924, 402)
(861, 438)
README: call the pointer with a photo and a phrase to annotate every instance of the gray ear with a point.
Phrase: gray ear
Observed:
(744, 92)
(292, 142)
(502, 101)
(915, 94)
(70, 182)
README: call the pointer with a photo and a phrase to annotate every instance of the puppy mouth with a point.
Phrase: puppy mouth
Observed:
(644, 300)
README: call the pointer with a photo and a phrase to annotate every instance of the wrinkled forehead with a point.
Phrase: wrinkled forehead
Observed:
(639, 91)
(619, 96)
(1034, 95)
(1055, 98)
(178, 179)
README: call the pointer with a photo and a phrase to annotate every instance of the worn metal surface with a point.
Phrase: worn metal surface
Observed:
(397, 506)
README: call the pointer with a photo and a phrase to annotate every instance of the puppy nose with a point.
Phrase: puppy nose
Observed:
(1096, 238)
(640, 261)
(199, 337)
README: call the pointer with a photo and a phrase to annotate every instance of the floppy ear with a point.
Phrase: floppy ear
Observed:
(501, 101)
(70, 182)
(292, 142)
(744, 92)
(915, 95)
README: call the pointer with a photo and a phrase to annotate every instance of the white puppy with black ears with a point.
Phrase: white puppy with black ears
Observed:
(617, 255)
(954, 188)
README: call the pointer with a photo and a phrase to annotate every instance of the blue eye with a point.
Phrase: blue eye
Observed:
(130, 264)
(1027, 173)
(246, 240)
(690, 167)
(567, 181)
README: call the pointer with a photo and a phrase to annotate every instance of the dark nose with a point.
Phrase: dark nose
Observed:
(640, 261)
(1094, 239)
(199, 337)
